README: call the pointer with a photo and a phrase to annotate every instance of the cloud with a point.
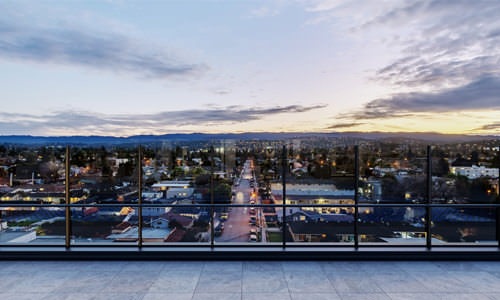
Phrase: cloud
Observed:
(71, 45)
(323, 5)
(482, 95)
(488, 127)
(444, 43)
(222, 91)
(264, 11)
(68, 122)
(344, 125)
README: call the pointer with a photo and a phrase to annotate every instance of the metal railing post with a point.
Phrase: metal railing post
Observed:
(356, 196)
(67, 199)
(428, 216)
(139, 199)
(212, 200)
(284, 166)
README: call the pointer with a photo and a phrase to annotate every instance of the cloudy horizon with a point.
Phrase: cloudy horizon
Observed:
(123, 67)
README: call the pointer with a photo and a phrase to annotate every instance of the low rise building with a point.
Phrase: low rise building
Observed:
(475, 172)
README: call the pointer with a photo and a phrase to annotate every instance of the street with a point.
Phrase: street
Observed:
(237, 226)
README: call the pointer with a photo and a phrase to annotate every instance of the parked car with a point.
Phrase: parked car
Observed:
(252, 238)
(219, 229)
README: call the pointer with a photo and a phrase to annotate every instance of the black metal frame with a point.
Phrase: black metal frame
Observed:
(286, 248)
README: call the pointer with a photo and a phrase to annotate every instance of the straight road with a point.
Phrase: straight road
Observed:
(237, 226)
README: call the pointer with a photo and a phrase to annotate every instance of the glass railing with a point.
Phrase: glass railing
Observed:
(335, 193)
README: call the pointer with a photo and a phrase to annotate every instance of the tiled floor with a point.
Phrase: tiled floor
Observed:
(249, 280)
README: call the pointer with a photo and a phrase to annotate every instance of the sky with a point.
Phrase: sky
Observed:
(121, 68)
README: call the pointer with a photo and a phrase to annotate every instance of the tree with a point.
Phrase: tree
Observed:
(495, 162)
(49, 171)
(222, 193)
(125, 169)
(202, 179)
(441, 168)
(79, 158)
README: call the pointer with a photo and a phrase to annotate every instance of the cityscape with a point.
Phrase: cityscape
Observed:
(231, 192)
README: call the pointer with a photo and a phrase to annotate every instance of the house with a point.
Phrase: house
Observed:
(121, 228)
(312, 231)
(176, 235)
(159, 223)
(312, 216)
(184, 221)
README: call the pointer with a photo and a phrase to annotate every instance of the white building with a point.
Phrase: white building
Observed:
(475, 172)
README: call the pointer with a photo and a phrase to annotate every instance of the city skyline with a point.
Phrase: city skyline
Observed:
(124, 68)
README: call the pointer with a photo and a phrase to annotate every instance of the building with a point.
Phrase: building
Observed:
(475, 171)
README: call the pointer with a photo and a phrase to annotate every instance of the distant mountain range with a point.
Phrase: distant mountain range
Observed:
(187, 137)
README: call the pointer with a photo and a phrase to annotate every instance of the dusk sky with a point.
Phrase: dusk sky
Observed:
(153, 67)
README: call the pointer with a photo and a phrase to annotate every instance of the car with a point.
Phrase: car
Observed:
(224, 216)
(253, 220)
(252, 201)
(252, 238)
(219, 229)
(253, 231)
(252, 211)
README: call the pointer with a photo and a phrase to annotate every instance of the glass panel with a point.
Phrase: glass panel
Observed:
(235, 224)
(464, 174)
(391, 226)
(460, 225)
(176, 177)
(103, 224)
(319, 172)
(108, 212)
(250, 167)
(31, 225)
(33, 176)
(393, 172)
(320, 225)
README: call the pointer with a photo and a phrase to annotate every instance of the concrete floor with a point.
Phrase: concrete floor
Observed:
(249, 280)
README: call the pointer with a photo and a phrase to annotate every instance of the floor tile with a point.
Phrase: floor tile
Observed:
(223, 266)
(488, 266)
(442, 282)
(177, 282)
(437, 296)
(483, 282)
(174, 266)
(265, 296)
(87, 282)
(119, 296)
(164, 296)
(364, 296)
(23, 296)
(262, 266)
(131, 282)
(216, 282)
(138, 266)
(315, 296)
(302, 266)
(70, 296)
(308, 282)
(354, 283)
(418, 266)
(394, 283)
(457, 266)
(264, 282)
(217, 296)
